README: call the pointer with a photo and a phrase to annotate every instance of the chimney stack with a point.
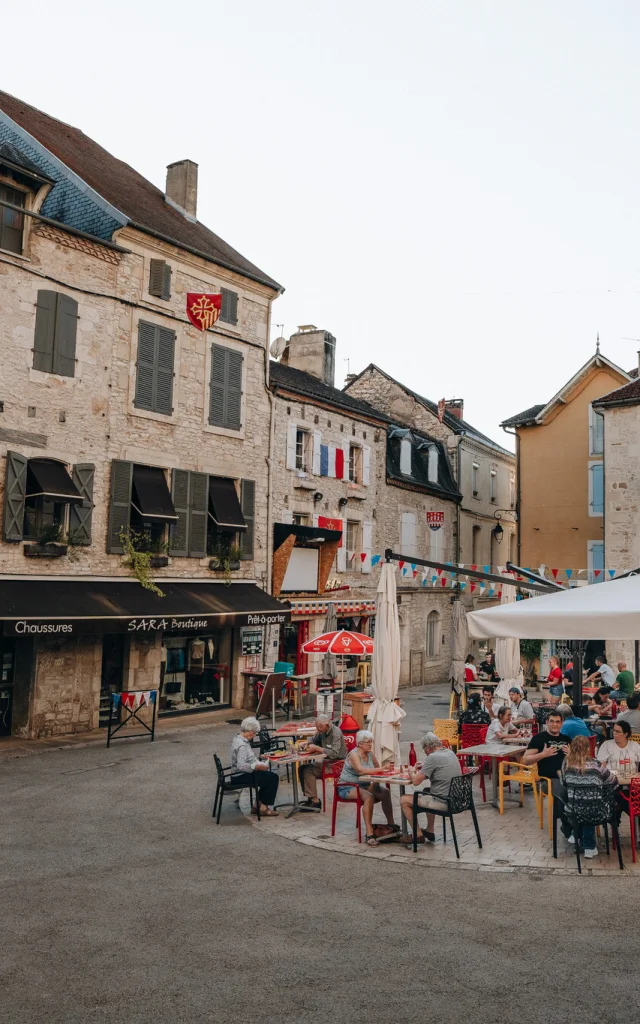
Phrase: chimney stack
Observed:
(182, 187)
(313, 351)
(455, 406)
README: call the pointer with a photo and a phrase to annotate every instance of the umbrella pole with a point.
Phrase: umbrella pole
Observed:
(577, 651)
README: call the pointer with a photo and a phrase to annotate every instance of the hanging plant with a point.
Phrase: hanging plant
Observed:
(139, 560)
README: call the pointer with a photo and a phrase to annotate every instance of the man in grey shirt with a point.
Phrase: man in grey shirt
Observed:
(632, 716)
(440, 766)
(329, 741)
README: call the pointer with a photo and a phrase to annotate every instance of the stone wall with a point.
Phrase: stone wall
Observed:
(67, 686)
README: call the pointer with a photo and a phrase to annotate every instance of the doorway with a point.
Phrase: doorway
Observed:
(113, 648)
(7, 665)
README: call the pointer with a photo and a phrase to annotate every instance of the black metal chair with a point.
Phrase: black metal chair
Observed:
(587, 805)
(227, 785)
(460, 799)
(266, 742)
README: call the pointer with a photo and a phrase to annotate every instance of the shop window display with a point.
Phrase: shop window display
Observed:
(196, 672)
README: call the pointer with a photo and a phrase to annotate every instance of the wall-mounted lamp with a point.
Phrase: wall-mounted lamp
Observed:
(497, 531)
(342, 502)
(317, 497)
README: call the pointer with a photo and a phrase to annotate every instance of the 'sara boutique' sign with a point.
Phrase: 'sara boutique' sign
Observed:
(142, 625)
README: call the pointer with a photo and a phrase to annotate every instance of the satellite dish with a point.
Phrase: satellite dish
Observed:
(278, 346)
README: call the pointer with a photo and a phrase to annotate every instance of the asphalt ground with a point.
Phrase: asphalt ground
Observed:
(121, 901)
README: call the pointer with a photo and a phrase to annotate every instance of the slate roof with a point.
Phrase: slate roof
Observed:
(627, 394)
(528, 416)
(15, 156)
(309, 386)
(143, 204)
(420, 466)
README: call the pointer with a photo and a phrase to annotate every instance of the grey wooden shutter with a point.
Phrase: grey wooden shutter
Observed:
(160, 279)
(248, 503)
(229, 308)
(233, 407)
(15, 486)
(217, 385)
(198, 512)
(80, 515)
(66, 329)
(165, 347)
(145, 366)
(179, 535)
(120, 506)
(43, 341)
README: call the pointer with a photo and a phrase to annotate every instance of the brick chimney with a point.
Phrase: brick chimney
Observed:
(182, 187)
(313, 351)
(455, 406)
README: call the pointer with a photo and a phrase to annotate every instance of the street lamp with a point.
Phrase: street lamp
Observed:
(497, 531)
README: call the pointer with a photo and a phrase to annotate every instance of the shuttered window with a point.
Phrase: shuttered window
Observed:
(80, 515)
(225, 397)
(154, 378)
(54, 343)
(120, 507)
(247, 503)
(190, 494)
(229, 311)
(11, 222)
(160, 279)
(15, 489)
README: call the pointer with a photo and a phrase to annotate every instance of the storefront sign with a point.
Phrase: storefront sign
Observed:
(141, 626)
(252, 640)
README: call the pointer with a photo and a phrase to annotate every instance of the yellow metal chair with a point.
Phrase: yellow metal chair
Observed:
(363, 673)
(447, 729)
(635, 736)
(513, 771)
(457, 702)
(545, 793)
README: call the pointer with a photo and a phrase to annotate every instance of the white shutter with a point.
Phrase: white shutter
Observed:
(405, 456)
(436, 539)
(408, 534)
(345, 471)
(366, 466)
(317, 441)
(286, 516)
(332, 461)
(291, 446)
(314, 519)
(433, 464)
(341, 560)
(367, 530)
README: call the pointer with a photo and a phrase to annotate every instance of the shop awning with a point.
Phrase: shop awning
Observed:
(305, 534)
(224, 506)
(151, 496)
(49, 479)
(96, 605)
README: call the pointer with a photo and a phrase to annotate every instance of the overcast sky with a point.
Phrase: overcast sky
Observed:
(451, 188)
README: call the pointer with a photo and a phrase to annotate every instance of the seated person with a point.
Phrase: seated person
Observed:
(488, 667)
(572, 726)
(632, 715)
(328, 740)
(502, 729)
(488, 702)
(475, 713)
(470, 670)
(621, 754)
(602, 705)
(625, 683)
(521, 709)
(249, 770)
(359, 762)
(548, 748)
(603, 674)
(579, 769)
(440, 766)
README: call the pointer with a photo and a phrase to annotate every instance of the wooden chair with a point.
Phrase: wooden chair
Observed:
(513, 771)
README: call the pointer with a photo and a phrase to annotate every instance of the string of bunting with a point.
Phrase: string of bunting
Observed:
(559, 574)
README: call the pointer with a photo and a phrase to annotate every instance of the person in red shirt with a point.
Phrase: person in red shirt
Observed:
(470, 670)
(556, 686)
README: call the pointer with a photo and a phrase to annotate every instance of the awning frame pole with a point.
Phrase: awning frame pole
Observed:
(455, 570)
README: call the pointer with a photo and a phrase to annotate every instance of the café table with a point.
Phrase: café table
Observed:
(400, 779)
(495, 751)
(295, 729)
(608, 723)
(295, 760)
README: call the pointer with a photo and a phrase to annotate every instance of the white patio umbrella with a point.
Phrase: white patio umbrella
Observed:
(508, 664)
(600, 611)
(329, 664)
(384, 715)
(459, 640)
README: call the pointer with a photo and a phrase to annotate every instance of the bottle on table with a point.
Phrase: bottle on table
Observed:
(412, 755)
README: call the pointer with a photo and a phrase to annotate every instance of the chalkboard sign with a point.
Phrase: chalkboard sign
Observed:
(252, 640)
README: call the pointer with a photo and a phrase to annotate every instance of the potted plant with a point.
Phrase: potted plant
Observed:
(159, 551)
(51, 543)
(226, 558)
(530, 651)
(137, 557)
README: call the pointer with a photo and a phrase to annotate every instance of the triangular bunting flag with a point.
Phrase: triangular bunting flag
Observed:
(486, 568)
(473, 567)
(462, 585)
(612, 573)
(444, 581)
(400, 565)
(375, 559)
(554, 573)
(473, 587)
(569, 573)
(596, 572)
(363, 555)
(492, 591)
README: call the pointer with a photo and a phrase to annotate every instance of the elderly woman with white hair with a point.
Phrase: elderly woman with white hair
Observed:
(249, 770)
(440, 766)
(359, 762)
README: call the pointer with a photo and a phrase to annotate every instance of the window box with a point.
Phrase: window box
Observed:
(159, 561)
(224, 565)
(49, 550)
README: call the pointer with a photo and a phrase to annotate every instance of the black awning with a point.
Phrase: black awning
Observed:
(308, 534)
(75, 606)
(150, 496)
(49, 479)
(224, 506)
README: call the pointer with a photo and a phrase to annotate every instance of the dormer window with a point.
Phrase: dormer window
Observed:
(405, 456)
(11, 221)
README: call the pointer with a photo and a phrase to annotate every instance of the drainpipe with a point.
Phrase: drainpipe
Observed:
(518, 535)
(270, 457)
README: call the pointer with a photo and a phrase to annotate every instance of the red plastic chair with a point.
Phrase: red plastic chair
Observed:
(633, 800)
(336, 772)
(472, 736)
(593, 742)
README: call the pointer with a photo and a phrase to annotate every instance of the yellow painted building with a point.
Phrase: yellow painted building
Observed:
(560, 465)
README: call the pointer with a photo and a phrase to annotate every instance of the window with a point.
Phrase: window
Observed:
(225, 399)
(11, 222)
(474, 479)
(432, 469)
(54, 343)
(229, 311)
(596, 432)
(596, 489)
(408, 534)
(405, 456)
(160, 279)
(301, 519)
(38, 493)
(433, 634)
(141, 503)
(436, 544)
(354, 545)
(493, 486)
(475, 545)
(154, 368)
(303, 449)
(595, 561)
(355, 464)
(512, 490)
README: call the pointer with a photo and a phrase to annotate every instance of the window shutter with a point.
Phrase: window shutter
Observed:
(341, 557)
(366, 465)
(291, 445)
(145, 366)
(165, 349)
(225, 396)
(332, 461)
(432, 470)
(436, 538)
(248, 501)
(324, 460)
(198, 511)
(367, 532)
(179, 533)
(45, 331)
(15, 486)
(160, 279)
(408, 533)
(217, 385)
(229, 310)
(120, 507)
(286, 516)
(317, 457)
(233, 390)
(345, 463)
(64, 347)
(80, 515)
(597, 489)
(405, 456)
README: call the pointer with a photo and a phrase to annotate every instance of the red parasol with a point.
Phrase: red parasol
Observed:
(342, 641)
